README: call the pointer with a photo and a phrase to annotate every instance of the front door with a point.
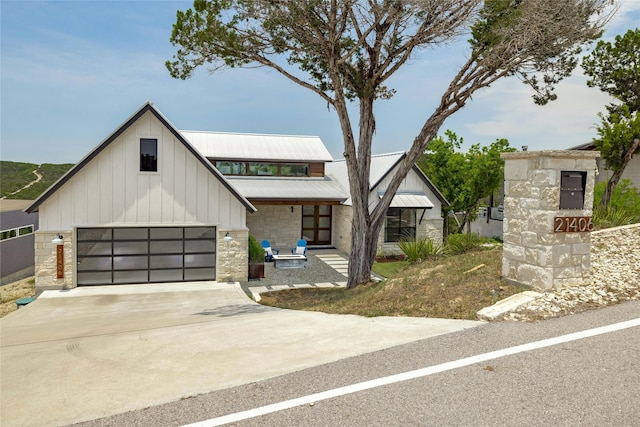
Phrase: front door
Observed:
(316, 224)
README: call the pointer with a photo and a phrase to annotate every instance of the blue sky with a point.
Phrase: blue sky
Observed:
(71, 72)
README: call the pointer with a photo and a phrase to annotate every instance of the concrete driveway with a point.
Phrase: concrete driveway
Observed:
(87, 353)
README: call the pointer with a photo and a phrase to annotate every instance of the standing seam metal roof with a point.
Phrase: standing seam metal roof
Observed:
(259, 147)
(289, 188)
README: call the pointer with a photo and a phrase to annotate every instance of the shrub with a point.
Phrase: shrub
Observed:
(256, 252)
(420, 249)
(612, 217)
(625, 198)
(461, 243)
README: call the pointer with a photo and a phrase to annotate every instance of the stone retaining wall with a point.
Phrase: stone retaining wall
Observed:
(615, 256)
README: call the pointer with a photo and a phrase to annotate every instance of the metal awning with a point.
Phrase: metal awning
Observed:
(416, 200)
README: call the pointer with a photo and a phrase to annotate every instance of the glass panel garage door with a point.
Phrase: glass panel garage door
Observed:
(111, 256)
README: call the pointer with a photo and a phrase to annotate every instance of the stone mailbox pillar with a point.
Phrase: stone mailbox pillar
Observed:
(548, 202)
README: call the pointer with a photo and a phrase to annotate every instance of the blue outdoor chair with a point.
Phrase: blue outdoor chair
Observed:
(301, 248)
(268, 251)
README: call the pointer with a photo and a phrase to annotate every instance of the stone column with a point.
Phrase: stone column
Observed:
(535, 253)
(46, 266)
(233, 256)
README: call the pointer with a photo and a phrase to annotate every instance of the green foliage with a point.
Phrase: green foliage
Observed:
(464, 178)
(15, 175)
(388, 269)
(616, 134)
(502, 30)
(256, 252)
(421, 249)
(461, 243)
(608, 217)
(615, 68)
(625, 202)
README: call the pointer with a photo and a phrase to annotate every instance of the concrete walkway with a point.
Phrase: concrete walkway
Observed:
(87, 353)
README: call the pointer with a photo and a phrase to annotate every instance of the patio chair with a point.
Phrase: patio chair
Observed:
(301, 248)
(269, 251)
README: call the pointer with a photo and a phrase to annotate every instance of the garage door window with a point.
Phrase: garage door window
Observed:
(145, 255)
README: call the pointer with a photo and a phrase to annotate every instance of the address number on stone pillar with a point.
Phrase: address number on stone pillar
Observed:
(572, 224)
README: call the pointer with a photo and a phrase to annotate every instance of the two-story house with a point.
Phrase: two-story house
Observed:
(153, 204)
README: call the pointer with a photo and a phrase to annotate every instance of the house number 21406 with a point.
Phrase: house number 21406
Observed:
(572, 224)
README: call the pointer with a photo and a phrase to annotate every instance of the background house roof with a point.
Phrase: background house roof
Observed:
(381, 166)
(289, 188)
(245, 146)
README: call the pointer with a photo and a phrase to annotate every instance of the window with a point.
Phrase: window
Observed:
(25, 230)
(148, 155)
(263, 169)
(8, 234)
(232, 168)
(294, 169)
(400, 223)
(12, 233)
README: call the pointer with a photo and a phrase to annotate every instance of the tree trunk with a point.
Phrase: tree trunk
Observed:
(363, 244)
(617, 174)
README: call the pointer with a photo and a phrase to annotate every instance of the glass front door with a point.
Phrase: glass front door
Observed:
(316, 224)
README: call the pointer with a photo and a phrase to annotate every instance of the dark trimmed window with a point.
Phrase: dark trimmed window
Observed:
(227, 167)
(400, 223)
(148, 155)
(263, 169)
(232, 168)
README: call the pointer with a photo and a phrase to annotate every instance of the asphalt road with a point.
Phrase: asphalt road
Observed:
(591, 381)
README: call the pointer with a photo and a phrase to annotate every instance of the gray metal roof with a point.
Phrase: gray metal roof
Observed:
(410, 200)
(289, 188)
(381, 166)
(245, 146)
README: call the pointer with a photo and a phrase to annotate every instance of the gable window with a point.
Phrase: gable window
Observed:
(148, 155)
(400, 223)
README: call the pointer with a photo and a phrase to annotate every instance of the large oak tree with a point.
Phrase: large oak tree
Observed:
(346, 50)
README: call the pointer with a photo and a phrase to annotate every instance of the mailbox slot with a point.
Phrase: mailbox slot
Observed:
(572, 189)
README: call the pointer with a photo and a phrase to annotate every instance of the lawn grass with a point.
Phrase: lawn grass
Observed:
(388, 269)
(442, 288)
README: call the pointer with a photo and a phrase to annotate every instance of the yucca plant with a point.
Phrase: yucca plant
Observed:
(419, 249)
(461, 243)
(612, 217)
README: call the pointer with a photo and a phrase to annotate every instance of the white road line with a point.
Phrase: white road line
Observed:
(379, 382)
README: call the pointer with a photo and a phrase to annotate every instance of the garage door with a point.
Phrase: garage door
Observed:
(125, 255)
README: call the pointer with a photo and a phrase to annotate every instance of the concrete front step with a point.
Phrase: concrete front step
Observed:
(506, 305)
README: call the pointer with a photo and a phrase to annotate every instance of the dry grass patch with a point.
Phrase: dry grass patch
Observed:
(443, 288)
(14, 291)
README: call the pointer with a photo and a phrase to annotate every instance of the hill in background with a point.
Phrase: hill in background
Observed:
(17, 175)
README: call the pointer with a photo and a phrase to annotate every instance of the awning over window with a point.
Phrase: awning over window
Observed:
(417, 200)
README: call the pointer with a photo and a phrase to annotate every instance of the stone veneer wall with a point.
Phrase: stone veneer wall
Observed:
(45, 260)
(341, 228)
(233, 256)
(533, 254)
(277, 224)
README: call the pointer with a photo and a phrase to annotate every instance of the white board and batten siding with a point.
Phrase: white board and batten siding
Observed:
(411, 183)
(111, 191)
